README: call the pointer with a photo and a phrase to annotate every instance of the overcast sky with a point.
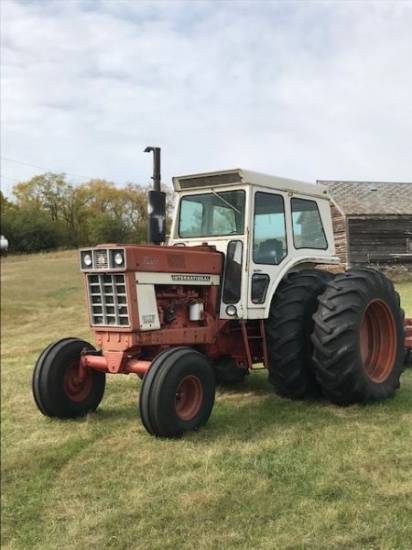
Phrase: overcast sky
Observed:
(308, 90)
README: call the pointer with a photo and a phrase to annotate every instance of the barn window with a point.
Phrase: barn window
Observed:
(307, 225)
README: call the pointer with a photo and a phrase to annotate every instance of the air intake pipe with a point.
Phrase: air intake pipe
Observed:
(156, 203)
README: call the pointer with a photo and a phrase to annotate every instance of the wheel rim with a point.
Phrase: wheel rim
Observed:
(76, 388)
(189, 397)
(378, 340)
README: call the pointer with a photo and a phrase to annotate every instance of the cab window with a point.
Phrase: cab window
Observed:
(212, 214)
(269, 229)
(307, 225)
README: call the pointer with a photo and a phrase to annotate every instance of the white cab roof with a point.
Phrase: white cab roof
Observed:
(238, 176)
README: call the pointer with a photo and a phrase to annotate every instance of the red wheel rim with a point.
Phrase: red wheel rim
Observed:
(76, 388)
(189, 397)
(378, 340)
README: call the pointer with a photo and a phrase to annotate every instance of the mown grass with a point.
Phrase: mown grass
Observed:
(264, 473)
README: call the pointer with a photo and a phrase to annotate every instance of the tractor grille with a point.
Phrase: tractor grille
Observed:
(108, 300)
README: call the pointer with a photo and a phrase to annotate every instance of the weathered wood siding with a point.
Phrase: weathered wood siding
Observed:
(339, 231)
(375, 240)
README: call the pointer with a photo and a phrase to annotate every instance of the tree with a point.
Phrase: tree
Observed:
(88, 214)
(104, 228)
(45, 192)
(5, 204)
(31, 231)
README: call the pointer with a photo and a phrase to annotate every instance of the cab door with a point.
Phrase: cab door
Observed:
(269, 246)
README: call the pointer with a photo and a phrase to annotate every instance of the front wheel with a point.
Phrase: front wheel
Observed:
(58, 390)
(177, 393)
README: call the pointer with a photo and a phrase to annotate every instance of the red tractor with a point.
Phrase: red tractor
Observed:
(238, 286)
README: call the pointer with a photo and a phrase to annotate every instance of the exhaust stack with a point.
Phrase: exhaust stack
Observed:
(156, 204)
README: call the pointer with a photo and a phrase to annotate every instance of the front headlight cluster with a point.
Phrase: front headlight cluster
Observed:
(87, 259)
(119, 258)
(106, 259)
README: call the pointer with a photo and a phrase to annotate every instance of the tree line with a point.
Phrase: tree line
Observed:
(47, 213)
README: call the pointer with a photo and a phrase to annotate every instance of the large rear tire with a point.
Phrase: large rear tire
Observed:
(57, 389)
(288, 331)
(358, 338)
(177, 393)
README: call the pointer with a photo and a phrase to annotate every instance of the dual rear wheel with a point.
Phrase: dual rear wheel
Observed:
(358, 338)
(342, 337)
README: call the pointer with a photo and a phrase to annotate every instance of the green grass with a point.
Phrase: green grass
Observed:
(264, 473)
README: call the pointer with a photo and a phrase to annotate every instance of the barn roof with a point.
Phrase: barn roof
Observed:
(371, 198)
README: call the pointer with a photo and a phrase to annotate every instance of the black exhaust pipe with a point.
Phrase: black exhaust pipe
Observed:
(156, 204)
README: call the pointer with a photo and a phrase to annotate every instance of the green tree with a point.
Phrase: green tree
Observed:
(54, 213)
(5, 204)
(31, 231)
(45, 192)
(105, 228)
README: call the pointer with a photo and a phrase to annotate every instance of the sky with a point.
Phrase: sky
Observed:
(302, 89)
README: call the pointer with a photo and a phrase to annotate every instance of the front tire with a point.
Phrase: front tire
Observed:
(288, 331)
(57, 389)
(359, 338)
(177, 393)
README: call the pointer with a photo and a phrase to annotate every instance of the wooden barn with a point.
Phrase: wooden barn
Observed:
(372, 221)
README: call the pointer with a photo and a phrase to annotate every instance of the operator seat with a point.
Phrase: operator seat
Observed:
(270, 251)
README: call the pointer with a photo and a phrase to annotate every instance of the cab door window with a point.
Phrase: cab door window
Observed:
(232, 285)
(269, 229)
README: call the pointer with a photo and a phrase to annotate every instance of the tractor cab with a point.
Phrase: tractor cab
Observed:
(265, 226)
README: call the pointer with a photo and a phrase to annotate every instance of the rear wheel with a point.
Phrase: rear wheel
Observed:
(359, 338)
(58, 390)
(288, 331)
(177, 393)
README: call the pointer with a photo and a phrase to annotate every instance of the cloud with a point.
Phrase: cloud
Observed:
(308, 90)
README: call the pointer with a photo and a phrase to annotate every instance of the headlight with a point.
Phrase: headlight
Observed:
(231, 310)
(118, 258)
(87, 260)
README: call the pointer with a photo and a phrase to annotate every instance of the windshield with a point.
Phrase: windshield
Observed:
(212, 214)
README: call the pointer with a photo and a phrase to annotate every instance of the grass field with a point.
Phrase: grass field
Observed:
(265, 473)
